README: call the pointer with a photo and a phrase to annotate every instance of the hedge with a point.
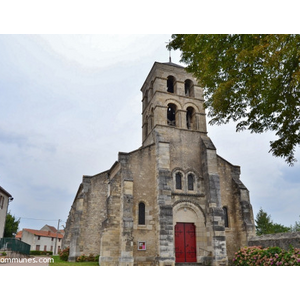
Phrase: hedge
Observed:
(272, 256)
(39, 252)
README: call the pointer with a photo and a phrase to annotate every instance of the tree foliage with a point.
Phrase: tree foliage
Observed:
(253, 80)
(11, 225)
(264, 224)
(296, 226)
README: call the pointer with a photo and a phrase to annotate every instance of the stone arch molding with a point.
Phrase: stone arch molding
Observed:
(190, 104)
(191, 205)
(175, 102)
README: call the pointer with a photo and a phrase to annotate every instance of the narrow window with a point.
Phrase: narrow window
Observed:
(178, 178)
(188, 88)
(189, 117)
(170, 84)
(1, 202)
(37, 247)
(141, 213)
(171, 114)
(225, 216)
(190, 182)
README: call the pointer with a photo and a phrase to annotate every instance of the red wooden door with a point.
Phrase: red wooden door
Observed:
(185, 242)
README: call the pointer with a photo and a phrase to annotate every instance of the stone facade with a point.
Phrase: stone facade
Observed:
(129, 214)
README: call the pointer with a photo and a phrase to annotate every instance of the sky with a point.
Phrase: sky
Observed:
(70, 103)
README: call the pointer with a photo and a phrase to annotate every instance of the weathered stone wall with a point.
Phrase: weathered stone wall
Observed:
(95, 213)
(82, 232)
(104, 215)
(235, 198)
(282, 240)
(111, 225)
(143, 168)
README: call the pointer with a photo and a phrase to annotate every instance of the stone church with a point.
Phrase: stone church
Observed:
(174, 200)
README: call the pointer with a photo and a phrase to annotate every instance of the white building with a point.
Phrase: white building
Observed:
(46, 239)
(5, 198)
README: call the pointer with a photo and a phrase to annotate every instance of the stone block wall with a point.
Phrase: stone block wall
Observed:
(282, 240)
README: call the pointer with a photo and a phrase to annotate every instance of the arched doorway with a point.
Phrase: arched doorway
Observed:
(185, 242)
(190, 238)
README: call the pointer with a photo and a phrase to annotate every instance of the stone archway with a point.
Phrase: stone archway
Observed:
(186, 212)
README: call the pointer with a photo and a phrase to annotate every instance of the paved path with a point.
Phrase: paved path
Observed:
(31, 261)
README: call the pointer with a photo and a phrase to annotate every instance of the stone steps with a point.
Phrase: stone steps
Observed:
(187, 264)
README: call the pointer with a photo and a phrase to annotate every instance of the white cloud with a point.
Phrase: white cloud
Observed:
(71, 103)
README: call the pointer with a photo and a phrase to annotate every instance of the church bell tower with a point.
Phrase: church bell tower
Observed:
(171, 97)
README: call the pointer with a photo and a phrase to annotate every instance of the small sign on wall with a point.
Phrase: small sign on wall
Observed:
(141, 245)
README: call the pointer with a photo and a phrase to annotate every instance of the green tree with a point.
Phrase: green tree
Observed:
(296, 226)
(264, 224)
(11, 225)
(252, 79)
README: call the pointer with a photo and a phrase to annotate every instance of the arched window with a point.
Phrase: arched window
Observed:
(178, 179)
(141, 213)
(170, 84)
(190, 182)
(190, 115)
(188, 88)
(171, 114)
(225, 216)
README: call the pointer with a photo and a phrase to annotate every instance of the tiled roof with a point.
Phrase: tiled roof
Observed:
(52, 228)
(19, 234)
(44, 233)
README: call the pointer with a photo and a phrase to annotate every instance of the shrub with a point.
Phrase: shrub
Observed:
(81, 258)
(272, 256)
(38, 252)
(91, 257)
(64, 254)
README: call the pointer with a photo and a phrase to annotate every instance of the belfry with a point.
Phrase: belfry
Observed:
(172, 201)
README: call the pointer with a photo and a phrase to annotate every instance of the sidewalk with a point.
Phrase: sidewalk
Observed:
(30, 261)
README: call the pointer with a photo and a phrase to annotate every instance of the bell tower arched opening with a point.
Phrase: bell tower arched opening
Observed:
(190, 118)
(171, 114)
(188, 88)
(171, 84)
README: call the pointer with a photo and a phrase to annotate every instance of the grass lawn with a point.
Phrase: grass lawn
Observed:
(58, 262)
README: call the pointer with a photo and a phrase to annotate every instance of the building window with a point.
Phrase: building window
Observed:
(190, 182)
(188, 88)
(37, 247)
(225, 216)
(171, 114)
(170, 84)
(190, 115)
(1, 202)
(45, 248)
(39, 237)
(141, 213)
(178, 178)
